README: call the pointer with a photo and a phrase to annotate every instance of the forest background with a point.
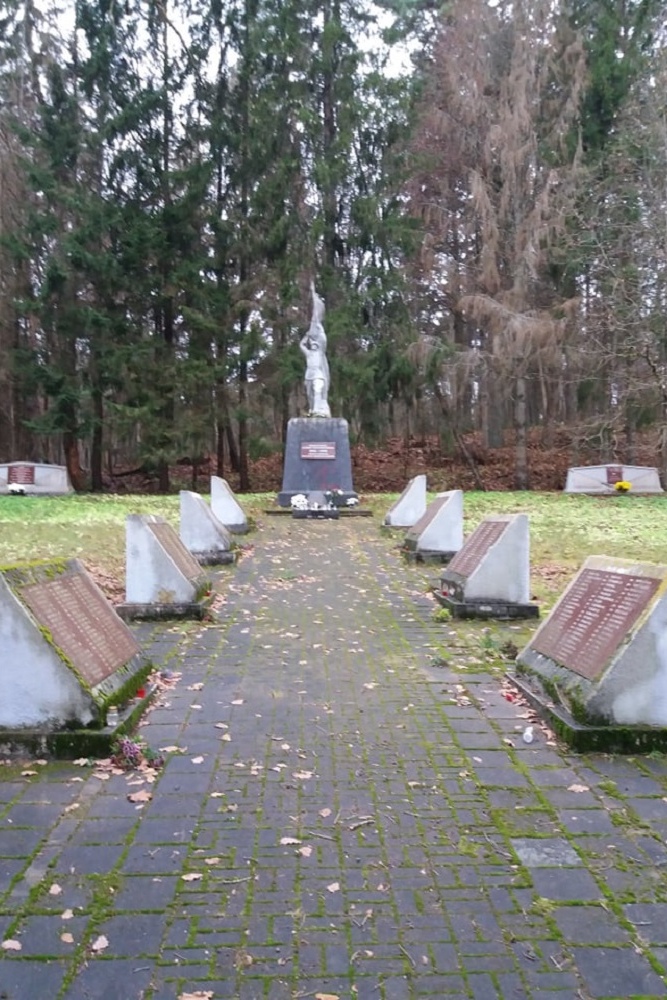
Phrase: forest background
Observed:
(479, 191)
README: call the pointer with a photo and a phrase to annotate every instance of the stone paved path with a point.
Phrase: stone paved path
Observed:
(363, 828)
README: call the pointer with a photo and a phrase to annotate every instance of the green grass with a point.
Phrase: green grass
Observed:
(564, 528)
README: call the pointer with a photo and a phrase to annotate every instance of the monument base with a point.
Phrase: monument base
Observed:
(431, 557)
(316, 515)
(162, 612)
(584, 738)
(486, 607)
(317, 458)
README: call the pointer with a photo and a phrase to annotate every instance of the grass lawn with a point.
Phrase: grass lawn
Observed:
(564, 528)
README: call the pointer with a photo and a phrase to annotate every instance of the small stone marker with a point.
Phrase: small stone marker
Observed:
(202, 533)
(603, 479)
(603, 648)
(162, 579)
(438, 534)
(226, 507)
(410, 506)
(490, 576)
(317, 457)
(34, 478)
(65, 651)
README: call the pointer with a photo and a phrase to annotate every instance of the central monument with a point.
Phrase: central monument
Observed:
(317, 449)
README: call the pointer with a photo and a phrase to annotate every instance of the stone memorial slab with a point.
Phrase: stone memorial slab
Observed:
(226, 507)
(317, 457)
(438, 534)
(603, 479)
(163, 578)
(490, 576)
(73, 650)
(603, 648)
(202, 534)
(34, 477)
(410, 506)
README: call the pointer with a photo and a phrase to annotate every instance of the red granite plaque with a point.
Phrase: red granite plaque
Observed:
(22, 475)
(422, 524)
(177, 552)
(83, 624)
(592, 619)
(475, 548)
(318, 449)
(614, 474)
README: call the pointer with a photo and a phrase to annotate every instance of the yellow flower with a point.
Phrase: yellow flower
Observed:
(622, 486)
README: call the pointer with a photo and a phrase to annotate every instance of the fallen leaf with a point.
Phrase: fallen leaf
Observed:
(11, 945)
(55, 889)
(141, 796)
(99, 944)
(333, 887)
(221, 725)
(305, 852)
(196, 687)
(226, 738)
(370, 686)
(173, 749)
(237, 701)
(28, 774)
(211, 861)
(324, 813)
(82, 761)
(192, 876)
(197, 760)
(67, 938)
(199, 995)
(286, 841)
(302, 775)
(327, 996)
(66, 915)
(578, 788)
(71, 808)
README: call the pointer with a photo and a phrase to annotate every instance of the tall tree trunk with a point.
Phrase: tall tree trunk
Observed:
(96, 443)
(520, 428)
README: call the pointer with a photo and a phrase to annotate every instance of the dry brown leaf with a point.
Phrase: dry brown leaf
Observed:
(28, 774)
(237, 701)
(197, 760)
(11, 945)
(67, 915)
(325, 812)
(141, 796)
(71, 808)
(55, 889)
(302, 775)
(305, 852)
(192, 876)
(578, 788)
(327, 996)
(100, 943)
(211, 861)
(286, 841)
(67, 937)
(226, 737)
(195, 687)
(333, 887)
(199, 995)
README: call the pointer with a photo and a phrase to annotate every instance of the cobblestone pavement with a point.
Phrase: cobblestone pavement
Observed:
(343, 820)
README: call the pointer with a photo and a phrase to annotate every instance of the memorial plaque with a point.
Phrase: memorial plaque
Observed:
(82, 624)
(420, 526)
(177, 552)
(318, 449)
(592, 619)
(21, 475)
(476, 546)
(614, 474)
